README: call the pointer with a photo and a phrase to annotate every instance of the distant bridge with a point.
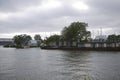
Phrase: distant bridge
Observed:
(4, 41)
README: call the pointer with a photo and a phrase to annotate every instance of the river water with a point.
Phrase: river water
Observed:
(37, 64)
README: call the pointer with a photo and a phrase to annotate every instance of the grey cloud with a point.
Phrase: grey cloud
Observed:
(108, 7)
(102, 13)
(16, 5)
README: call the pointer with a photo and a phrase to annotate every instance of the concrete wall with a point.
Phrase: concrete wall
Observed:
(105, 45)
(74, 44)
(87, 45)
(65, 44)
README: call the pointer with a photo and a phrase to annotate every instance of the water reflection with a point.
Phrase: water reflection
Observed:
(77, 63)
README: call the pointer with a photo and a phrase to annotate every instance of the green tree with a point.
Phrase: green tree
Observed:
(76, 31)
(118, 38)
(53, 38)
(112, 38)
(37, 37)
(21, 40)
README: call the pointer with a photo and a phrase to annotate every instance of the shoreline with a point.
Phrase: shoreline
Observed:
(82, 49)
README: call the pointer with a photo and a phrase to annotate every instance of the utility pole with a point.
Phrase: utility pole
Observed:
(101, 31)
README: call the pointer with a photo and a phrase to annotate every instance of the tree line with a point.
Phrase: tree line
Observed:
(113, 38)
(75, 31)
(24, 39)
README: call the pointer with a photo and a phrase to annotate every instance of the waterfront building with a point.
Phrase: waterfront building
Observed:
(76, 44)
(100, 38)
(32, 43)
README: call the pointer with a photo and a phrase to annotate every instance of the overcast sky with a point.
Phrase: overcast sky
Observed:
(50, 16)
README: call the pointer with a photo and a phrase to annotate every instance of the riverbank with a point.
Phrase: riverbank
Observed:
(83, 49)
(21, 47)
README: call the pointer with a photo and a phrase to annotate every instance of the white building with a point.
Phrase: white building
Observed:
(101, 38)
(32, 43)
